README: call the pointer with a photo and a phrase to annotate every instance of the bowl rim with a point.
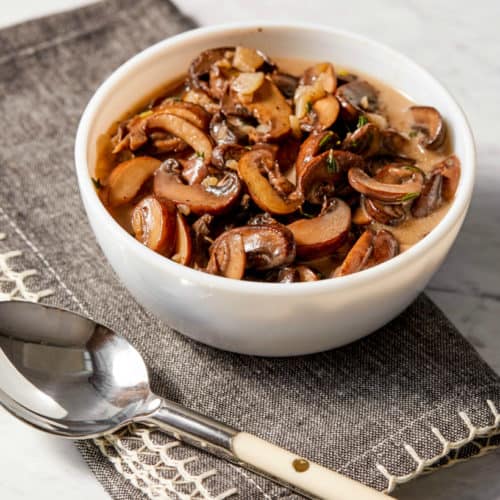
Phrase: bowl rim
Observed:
(457, 209)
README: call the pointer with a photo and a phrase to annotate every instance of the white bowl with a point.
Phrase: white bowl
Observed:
(270, 319)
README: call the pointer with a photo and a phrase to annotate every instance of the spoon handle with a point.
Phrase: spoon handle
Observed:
(259, 455)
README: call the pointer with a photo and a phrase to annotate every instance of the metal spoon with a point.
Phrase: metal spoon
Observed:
(65, 374)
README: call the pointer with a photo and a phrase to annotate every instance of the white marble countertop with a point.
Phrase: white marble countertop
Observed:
(457, 41)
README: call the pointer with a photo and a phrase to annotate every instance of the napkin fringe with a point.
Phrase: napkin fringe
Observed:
(425, 466)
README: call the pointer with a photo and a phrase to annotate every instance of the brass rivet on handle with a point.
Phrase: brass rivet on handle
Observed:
(300, 464)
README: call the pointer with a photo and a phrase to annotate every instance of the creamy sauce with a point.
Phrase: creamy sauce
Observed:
(394, 106)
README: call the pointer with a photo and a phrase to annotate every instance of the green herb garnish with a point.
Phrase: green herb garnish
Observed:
(328, 137)
(410, 196)
(331, 163)
(97, 183)
(306, 215)
(362, 120)
(200, 154)
(148, 112)
(413, 133)
(309, 106)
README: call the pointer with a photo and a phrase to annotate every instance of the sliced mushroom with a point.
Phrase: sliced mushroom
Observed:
(324, 113)
(400, 184)
(199, 70)
(180, 127)
(265, 247)
(183, 249)
(390, 215)
(356, 97)
(315, 143)
(392, 142)
(250, 168)
(198, 96)
(364, 141)
(320, 236)
(193, 113)
(128, 177)
(295, 274)
(317, 179)
(270, 109)
(450, 170)
(370, 249)
(220, 130)
(286, 83)
(194, 169)
(211, 197)
(430, 198)
(167, 143)
(323, 73)
(154, 224)
(429, 121)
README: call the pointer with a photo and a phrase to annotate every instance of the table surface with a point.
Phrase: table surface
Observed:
(458, 42)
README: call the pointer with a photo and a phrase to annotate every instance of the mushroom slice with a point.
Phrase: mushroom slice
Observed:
(220, 130)
(294, 274)
(320, 236)
(270, 109)
(128, 177)
(323, 73)
(199, 70)
(193, 113)
(356, 97)
(371, 248)
(228, 257)
(154, 224)
(258, 185)
(390, 215)
(197, 96)
(429, 121)
(450, 170)
(215, 196)
(264, 247)
(317, 179)
(401, 185)
(392, 142)
(430, 198)
(315, 143)
(326, 112)
(364, 141)
(185, 130)
(183, 249)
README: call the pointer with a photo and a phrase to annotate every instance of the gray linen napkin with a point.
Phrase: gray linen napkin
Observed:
(410, 397)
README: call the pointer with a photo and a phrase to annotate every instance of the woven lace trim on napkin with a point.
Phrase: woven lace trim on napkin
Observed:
(161, 467)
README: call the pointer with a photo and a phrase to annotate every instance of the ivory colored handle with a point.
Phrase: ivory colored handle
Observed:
(309, 477)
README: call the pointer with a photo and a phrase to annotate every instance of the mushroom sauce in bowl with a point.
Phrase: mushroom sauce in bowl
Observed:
(276, 170)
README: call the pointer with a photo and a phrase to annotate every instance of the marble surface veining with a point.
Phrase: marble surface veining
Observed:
(459, 42)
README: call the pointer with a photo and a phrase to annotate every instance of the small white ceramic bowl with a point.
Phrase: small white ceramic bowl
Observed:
(270, 319)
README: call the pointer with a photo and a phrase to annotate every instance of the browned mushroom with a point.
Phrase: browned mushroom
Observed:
(392, 142)
(450, 170)
(199, 70)
(264, 247)
(356, 97)
(317, 179)
(370, 249)
(198, 96)
(250, 169)
(183, 249)
(154, 224)
(128, 177)
(430, 198)
(188, 132)
(429, 121)
(193, 113)
(365, 140)
(227, 155)
(295, 274)
(320, 236)
(324, 113)
(215, 195)
(315, 143)
(392, 185)
(390, 215)
(194, 169)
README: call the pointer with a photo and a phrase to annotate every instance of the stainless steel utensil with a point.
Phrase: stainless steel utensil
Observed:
(67, 375)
